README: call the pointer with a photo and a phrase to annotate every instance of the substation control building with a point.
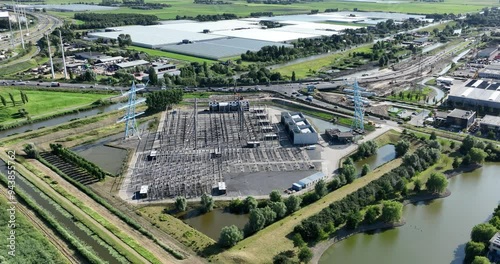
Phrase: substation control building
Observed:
(225, 107)
(298, 128)
(461, 118)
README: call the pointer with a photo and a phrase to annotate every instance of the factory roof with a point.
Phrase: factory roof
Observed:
(459, 113)
(132, 63)
(477, 90)
(110, 59)
(490, 120)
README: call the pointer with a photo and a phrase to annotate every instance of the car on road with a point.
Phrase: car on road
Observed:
(83, 87)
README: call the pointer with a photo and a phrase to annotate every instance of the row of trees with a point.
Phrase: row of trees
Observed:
(71, 157)
(476, 151)
(216, 17)
(24, 99)
(96, 20)
(159, 100)
(387, 187)
(476, 249)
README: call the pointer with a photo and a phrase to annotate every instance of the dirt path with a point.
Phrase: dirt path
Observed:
(154, 248)
(68, 205)
(53, 237)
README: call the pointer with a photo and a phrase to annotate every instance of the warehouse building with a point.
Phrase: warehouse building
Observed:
(491, 71)
(461, 118)
(486, 53)
(299, 129)
(475, 93)
(130, 64)
(490, 122)
(308, 181)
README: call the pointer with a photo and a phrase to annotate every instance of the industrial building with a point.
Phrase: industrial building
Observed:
(495, 244)
(130, 64)
(335, 135)
(486, 53)
(308, 181)
(225, 107)
(90, 56)
(490, 122)
(461, 118)
(475, 93)
(299, 129)
(491, 71)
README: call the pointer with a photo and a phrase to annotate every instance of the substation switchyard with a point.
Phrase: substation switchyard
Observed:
(229, 144)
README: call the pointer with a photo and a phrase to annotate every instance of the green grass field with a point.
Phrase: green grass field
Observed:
(171, 55)
(424, 93)
(306, 68)
(42, 102)
(242, 8)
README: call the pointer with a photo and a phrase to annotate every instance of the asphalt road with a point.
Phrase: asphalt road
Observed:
(45, 24)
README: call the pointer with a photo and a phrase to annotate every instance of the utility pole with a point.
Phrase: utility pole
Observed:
(64, 59)
(26, 22)
(50, 56)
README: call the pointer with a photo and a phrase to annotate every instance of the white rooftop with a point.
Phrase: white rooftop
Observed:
(144, 189)
(266, 34)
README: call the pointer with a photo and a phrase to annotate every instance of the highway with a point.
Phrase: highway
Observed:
(45, 24)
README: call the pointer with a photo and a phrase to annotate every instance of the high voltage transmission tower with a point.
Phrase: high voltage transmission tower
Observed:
(131, 124)
(359, 110)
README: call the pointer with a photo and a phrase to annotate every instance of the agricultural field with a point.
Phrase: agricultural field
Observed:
(42, 102)
(242, 8)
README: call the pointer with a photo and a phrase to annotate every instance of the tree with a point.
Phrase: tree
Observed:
(348, 161)
(256, 222)
(294, 78)
(180, 204)
(467, 144)
(298, 241)
(207, 203)
(88, 76)
(305, 255)
(402, 147)
(433, 136)
(153, 77)
(372, 214)
(452, 145)
(249, 203)
(436, 183)
(353, 219)
(229, 236)
(483, 232)
(4, 102)
(275, 196)
(22, 97)
(31, 151)
(280, 209)
(477, 155)
(391, 211)
(434, 144)
(269, 215)
(124, 40)
(284, 257)
(320, 188)
(456, 163)
(365, 169)
(349, 172)
(473, 249)
(481, 260)
(292, 203)
(12, 99)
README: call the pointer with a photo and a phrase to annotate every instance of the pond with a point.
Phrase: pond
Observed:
(212, 222)
(435, 232)
(384, 154)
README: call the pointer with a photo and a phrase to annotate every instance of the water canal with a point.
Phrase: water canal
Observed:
(384, 154)
(435, 232)
(212, 222)
(50, 206)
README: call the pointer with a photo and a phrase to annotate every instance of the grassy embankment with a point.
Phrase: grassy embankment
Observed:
(412, 95)
(42, 103)
(321, 115)
(263, 246)
(307, 68)
(31, 245)
(171, 55)
(242, 8)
